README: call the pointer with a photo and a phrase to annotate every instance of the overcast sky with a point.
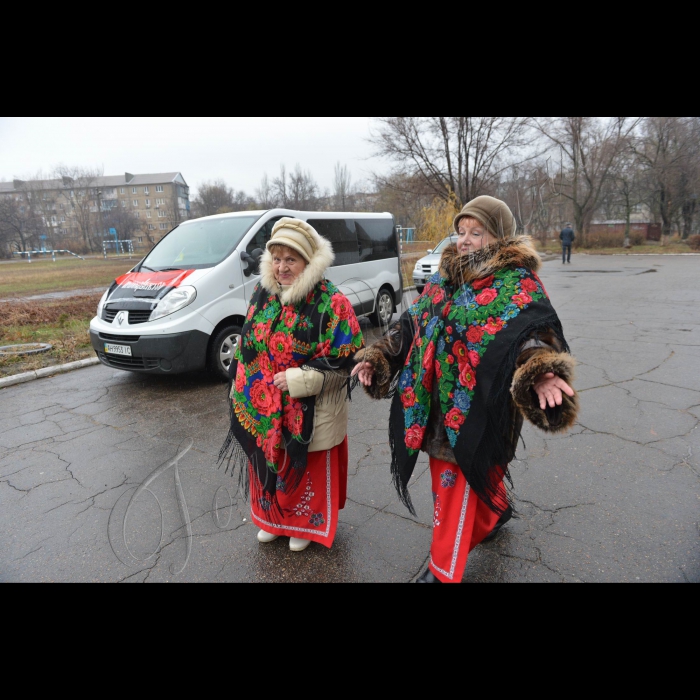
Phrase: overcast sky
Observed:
(239, 150)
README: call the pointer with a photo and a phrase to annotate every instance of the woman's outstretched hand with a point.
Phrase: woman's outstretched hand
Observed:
(366, 372)
(550, 390)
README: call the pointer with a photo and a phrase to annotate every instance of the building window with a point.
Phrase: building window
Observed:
(134, 190)
(63, 219)
(162, 214)
(136, 202)
(160, 188)
(122, 190)
(60, 206)
(138, 214)
(146, 190)
(163, 227)
(151, 227)
(123, 205)
(149, 214)
(148, 204)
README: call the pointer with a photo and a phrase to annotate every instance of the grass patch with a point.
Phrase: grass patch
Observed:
(21, 279)
(63, 324)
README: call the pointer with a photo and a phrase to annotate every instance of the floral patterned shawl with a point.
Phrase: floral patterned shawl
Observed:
(464, 343)
(320, 333)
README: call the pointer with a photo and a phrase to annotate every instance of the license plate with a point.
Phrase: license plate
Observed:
(118, 350)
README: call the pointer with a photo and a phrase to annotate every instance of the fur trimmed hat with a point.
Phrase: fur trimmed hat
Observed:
(297, 235)
(492, 213)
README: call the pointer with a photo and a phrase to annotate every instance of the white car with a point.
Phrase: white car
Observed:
(182, 308)
(428, 266)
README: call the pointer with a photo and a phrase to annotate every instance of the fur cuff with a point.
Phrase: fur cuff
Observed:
(557, 420)
(382, 372)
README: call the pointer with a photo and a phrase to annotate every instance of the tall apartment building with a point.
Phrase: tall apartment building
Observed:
(82, 208)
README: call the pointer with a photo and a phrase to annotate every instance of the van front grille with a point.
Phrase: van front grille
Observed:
(129, 363)
(135, 317)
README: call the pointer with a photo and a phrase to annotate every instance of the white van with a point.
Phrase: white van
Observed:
(183, 306)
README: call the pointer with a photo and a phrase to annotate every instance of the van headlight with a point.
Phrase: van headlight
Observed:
(177, 300)
(101, 305)
(419, 267)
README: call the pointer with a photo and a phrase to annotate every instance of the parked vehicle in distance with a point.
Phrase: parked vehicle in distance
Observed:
(183, 307)
(426, 267)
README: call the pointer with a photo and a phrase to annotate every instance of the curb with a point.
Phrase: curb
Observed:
(47, 372)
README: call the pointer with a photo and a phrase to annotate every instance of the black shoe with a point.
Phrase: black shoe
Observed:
(505, 519)
(428, 577)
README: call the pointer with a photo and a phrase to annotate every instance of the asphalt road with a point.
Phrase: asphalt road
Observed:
(616, 500)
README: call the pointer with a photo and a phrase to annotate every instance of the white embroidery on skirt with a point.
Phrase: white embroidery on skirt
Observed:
(329, 501)
(458, 542)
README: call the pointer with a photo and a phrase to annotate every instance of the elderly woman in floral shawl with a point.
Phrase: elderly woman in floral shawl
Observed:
(289, 408)
(478, 352)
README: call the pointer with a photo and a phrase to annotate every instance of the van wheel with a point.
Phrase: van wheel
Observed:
(222, 350)
(384, 310)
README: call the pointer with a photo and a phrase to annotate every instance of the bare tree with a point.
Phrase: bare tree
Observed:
(213, 198)
(342, 187)
(668, 150)
(265, 195)
(84, 195)
(16, 223)
(586, 149)
(461, 155)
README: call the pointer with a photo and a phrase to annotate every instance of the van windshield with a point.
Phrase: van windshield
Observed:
(199, 244)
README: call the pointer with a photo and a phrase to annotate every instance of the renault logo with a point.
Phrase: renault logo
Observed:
(121, 318)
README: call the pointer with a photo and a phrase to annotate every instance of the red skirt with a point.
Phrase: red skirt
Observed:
(461, 522)
(311, 511)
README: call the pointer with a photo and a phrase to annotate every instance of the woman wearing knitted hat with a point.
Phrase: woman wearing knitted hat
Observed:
(289, 391)
(481, 350)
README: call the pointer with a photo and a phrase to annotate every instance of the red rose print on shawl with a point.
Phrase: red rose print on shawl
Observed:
(455, 419)
(294, 418)
(475, 335)
(494, 327)
(414, 437)
(408, 398)
(354, 325)
(341, 307)
(281, 346)
(486, 297)
(474, 359)
(528, 285)
(429, 357)
(467, 377)
(240, 378)
(266, 398)
(483, 284)
(461, 353)
(522, 299)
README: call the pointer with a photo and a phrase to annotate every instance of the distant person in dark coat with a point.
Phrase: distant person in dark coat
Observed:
(567, 237)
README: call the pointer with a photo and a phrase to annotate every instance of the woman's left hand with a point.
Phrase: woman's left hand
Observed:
(550, 389)
(281, 381)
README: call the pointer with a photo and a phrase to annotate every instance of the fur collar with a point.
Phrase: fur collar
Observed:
(313, 274)
(513, 252)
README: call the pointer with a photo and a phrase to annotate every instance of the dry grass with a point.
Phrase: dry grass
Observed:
(63, 324)
(21, 279)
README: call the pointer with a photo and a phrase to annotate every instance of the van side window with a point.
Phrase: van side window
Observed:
(377, 239)
(342, 235)
(263, 235)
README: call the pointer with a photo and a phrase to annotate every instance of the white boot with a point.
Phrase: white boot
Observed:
(298, 545)
(266, 537)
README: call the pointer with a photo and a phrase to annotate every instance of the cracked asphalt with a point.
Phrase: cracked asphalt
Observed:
(92, 490)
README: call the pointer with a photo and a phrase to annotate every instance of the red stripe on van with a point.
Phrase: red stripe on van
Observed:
(154, 280)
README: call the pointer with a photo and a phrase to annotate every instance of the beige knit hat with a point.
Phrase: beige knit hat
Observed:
(297, 235)
(492, 213)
